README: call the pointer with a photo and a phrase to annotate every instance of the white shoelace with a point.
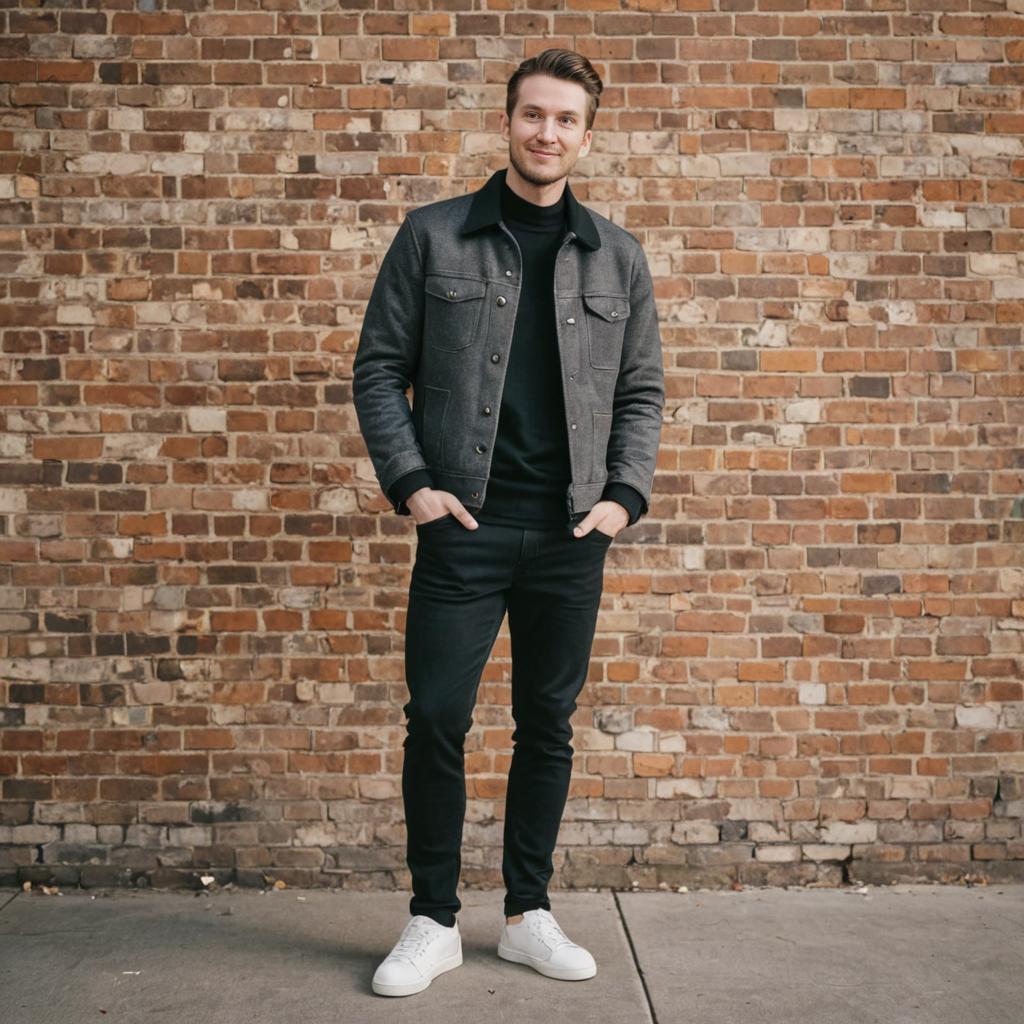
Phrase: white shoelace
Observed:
(416, 939)
(547, 929)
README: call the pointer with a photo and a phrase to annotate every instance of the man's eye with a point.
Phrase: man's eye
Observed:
(567, 119)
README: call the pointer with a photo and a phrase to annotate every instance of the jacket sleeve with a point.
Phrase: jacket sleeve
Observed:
(385, 364)
(639, 393)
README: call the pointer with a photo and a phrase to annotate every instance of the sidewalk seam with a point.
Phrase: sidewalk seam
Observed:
(651, 1013)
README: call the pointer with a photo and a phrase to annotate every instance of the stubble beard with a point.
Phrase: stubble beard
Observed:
(535, 177)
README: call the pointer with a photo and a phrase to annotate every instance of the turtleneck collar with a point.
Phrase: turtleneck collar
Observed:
(514, 207)
(485, 211)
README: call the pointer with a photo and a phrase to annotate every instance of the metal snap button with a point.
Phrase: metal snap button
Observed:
(615, 312)
(481, 447)
(573, 426)
(487, 410)
(495, 357)
(452, 293)
(508, 273)
(500, 300)
(571, 320)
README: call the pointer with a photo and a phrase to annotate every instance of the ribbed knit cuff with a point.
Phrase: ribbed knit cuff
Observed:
(628, 497)
(408, 484)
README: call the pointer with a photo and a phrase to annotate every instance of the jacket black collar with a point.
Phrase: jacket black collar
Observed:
(485, 210)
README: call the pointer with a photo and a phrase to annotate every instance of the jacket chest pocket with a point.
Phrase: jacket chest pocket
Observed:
(453, 311)
(606, 316)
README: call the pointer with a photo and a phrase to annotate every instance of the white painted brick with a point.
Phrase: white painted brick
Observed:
(641, 740)
(1008, 288)
(977, 716)
(806, 411)
(813, 693)
(268, 121)
(710, 717)
(745, 165)
(202, 420)
(807, 239)
(153, 312)
(822, 852)
(75, 315)
(844, 832)
(686, 832)
(251, 499)
(761, 240)
(336, 693)
(777, 854)
(108, 163)
(667, 789)
(940, 217)
(341, 500)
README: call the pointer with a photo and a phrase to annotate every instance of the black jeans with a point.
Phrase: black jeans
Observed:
(463, 581)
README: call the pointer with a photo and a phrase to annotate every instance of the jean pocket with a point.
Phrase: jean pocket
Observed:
(448, 517)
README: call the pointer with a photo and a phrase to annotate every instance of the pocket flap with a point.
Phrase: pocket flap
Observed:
(613, 308)
(455, 289)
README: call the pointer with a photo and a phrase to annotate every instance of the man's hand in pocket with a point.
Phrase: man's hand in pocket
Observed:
(428, 504)
(606, 516)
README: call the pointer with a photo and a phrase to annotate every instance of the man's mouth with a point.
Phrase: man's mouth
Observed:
(542, 153)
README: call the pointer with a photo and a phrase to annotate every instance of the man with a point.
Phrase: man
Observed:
(527, 327)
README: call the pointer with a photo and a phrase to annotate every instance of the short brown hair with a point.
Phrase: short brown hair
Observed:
(566, 64)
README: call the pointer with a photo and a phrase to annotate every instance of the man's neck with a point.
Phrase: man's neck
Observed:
(540, 195)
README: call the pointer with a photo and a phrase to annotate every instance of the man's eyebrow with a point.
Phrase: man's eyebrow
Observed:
(535, 106)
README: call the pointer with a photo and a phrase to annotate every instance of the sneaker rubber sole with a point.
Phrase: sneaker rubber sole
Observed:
(543, 967)
(412, 988)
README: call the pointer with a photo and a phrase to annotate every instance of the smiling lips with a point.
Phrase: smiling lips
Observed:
(542, 153)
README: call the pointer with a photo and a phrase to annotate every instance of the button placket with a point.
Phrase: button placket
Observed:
(567, 283)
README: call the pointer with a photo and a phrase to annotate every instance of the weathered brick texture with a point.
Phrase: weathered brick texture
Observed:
(809, 661)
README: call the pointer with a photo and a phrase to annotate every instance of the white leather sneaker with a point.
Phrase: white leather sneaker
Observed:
(425, 950)
(539, 942)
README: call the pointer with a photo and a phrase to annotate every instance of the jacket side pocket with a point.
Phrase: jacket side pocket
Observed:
(602, 431)
(435, 414)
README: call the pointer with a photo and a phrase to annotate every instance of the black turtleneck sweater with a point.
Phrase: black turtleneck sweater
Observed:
(530, 469)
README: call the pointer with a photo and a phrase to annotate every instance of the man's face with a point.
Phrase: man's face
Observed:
(549, 118)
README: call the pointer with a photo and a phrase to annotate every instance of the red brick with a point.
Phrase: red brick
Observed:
(830, 543)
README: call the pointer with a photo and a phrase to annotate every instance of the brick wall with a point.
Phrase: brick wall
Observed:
(808, 666)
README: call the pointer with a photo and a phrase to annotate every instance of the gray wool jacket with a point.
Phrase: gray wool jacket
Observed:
(440, 318)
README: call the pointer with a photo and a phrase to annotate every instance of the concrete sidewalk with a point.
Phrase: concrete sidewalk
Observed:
(900, 955)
